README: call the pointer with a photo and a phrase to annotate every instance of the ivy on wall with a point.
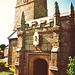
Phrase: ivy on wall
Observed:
(71, 66)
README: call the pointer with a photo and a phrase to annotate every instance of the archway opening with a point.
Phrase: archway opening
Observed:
(40, 67)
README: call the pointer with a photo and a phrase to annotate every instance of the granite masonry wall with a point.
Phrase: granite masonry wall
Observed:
(12, 51)
(56, 40)
(32, 8)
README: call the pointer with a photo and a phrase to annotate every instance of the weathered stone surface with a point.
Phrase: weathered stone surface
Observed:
(54, 59)
(29, 41)
(32, 47)
(19, 42)
(45, 41)
(58, 34)
(44, 47)
(47, 35)
(31, 37)
(12, 51)
(26, 37)
(31, 9)
(27, 47)
(49, 47)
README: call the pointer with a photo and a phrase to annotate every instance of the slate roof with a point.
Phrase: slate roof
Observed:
(13, 35)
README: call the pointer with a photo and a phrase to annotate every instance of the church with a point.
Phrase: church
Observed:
(41, 44)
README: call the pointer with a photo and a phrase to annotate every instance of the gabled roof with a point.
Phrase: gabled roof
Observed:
(13, 35)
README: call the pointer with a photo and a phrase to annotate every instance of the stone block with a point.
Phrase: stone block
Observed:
(32, 47)
(54, 59)
(44, 47)
(19, 43)
(50, 28)
(47, 35)
(51, 24)
(65, 24)
(45, 41)
(38, 48)
(28, 41)
(49, 47)
(26, 28)
(12, 54)
(31, 37)
(56, 44)
(55, 39)
(55, 34)
(27, 47)
(54, 56)
(26, 37)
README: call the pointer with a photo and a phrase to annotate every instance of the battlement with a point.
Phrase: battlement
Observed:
(43, 24)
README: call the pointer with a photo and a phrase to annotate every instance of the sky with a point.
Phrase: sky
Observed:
(7, 15)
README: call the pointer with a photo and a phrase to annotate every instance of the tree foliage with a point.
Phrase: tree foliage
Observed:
(0, 49)
(71, 66)
(2, 46)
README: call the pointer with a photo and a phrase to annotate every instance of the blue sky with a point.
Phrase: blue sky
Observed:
(63, 5)
(7, 14)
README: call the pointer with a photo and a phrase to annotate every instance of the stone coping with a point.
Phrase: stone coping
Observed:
(53, 68)
(16, 63)
(55, 49)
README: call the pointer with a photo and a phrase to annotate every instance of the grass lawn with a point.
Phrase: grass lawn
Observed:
(1, 60)
(7, 72)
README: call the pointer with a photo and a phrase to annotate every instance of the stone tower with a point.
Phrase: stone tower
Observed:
(33, 9)
(42, 45)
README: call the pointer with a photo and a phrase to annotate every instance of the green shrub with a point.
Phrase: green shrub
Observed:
(4, 68)
(11, 66)
(0, 49)
(71, 66)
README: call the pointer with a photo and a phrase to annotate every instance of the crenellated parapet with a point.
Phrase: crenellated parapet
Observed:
(53, 24)
(39, 24)
(47, 23)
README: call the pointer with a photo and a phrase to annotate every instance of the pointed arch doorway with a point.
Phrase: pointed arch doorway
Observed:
(40, 67)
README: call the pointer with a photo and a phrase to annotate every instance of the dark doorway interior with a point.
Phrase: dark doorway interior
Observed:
(40, 67)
